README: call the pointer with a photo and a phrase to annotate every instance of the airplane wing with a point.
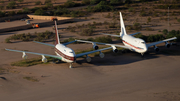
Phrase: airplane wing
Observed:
(122, 46)
(119, 35)
(53, 56)
(86, 53)
(158, 42)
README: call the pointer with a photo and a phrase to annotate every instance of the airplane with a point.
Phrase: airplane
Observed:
(63, 52)
(130, 42)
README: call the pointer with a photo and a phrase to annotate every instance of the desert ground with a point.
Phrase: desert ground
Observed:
(124, 76)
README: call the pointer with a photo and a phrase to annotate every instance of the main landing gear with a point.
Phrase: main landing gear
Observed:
(142, 55)
(70, 66)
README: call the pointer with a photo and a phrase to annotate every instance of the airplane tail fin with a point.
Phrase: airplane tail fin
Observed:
(123, 29)
(56, 32)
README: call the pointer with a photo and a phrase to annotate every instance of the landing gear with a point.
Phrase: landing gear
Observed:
(70, 66)
(142, 55)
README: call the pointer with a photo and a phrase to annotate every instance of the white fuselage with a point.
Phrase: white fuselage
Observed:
(67, 54)
(137, 44)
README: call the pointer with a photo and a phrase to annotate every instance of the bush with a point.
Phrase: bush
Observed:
(112, 25)
(141, 36)
(165, 31)
(178, 20)
(47, 1)
(1, 7)
(10, 13)
(115, 2)
(2, 14)
(131, 9)
(153, 38)
(92, 2)
(28, 37)
(143, 13)
(11, 5)
(20, 1)
(86, 2)
(39, 12)
(103, 39)
(26, 10)
(38, 3)
(7, 40)
(137, 26)
(69, 3)
(1, 1)
(49, 5)
(102, 7)
(148, 20)
(87, 32)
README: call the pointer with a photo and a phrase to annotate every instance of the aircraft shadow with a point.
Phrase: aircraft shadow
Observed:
(130, 57)
(118, 59)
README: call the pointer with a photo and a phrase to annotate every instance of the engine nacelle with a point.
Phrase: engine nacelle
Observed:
(167, 45)
(88, 59)
(115, 50)
(101, 55)
(44, 59)
(24, 56)
(156, 49)
(95, 46)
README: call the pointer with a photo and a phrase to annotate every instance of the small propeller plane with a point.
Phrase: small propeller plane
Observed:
(63, 52)
(130, 42)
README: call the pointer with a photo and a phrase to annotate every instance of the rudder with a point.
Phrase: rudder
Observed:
(123, 29)
(56, 32)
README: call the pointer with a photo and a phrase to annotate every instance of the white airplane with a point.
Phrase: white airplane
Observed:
(130, 42)
(63, 53)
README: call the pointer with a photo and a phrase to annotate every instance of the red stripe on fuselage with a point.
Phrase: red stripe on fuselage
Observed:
(64, 55)
(131, 45)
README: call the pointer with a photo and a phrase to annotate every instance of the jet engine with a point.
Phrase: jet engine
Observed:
(88, 59)
(156, 49)
(44, 59)
(167, 45)
(95, 46)
(24, 56)
(115, 50)
(101, 55)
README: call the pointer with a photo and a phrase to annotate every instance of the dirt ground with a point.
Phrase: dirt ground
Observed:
(126, 77)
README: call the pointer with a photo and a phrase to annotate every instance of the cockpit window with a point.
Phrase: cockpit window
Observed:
(142, 42)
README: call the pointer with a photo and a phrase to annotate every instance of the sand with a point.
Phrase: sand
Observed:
(116, 77)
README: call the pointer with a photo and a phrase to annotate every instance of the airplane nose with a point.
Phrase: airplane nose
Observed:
(145, 49)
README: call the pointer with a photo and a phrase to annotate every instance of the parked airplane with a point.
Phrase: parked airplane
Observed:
(130, 42)
(63, 53)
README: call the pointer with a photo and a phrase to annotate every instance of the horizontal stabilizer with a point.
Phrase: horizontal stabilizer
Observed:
(69, 42)
(44, 44)
(110, 34)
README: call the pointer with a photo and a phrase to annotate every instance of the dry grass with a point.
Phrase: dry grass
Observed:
(33, 79)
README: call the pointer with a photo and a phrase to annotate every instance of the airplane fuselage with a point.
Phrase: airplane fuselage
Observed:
(66, 53)
(137, 44)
